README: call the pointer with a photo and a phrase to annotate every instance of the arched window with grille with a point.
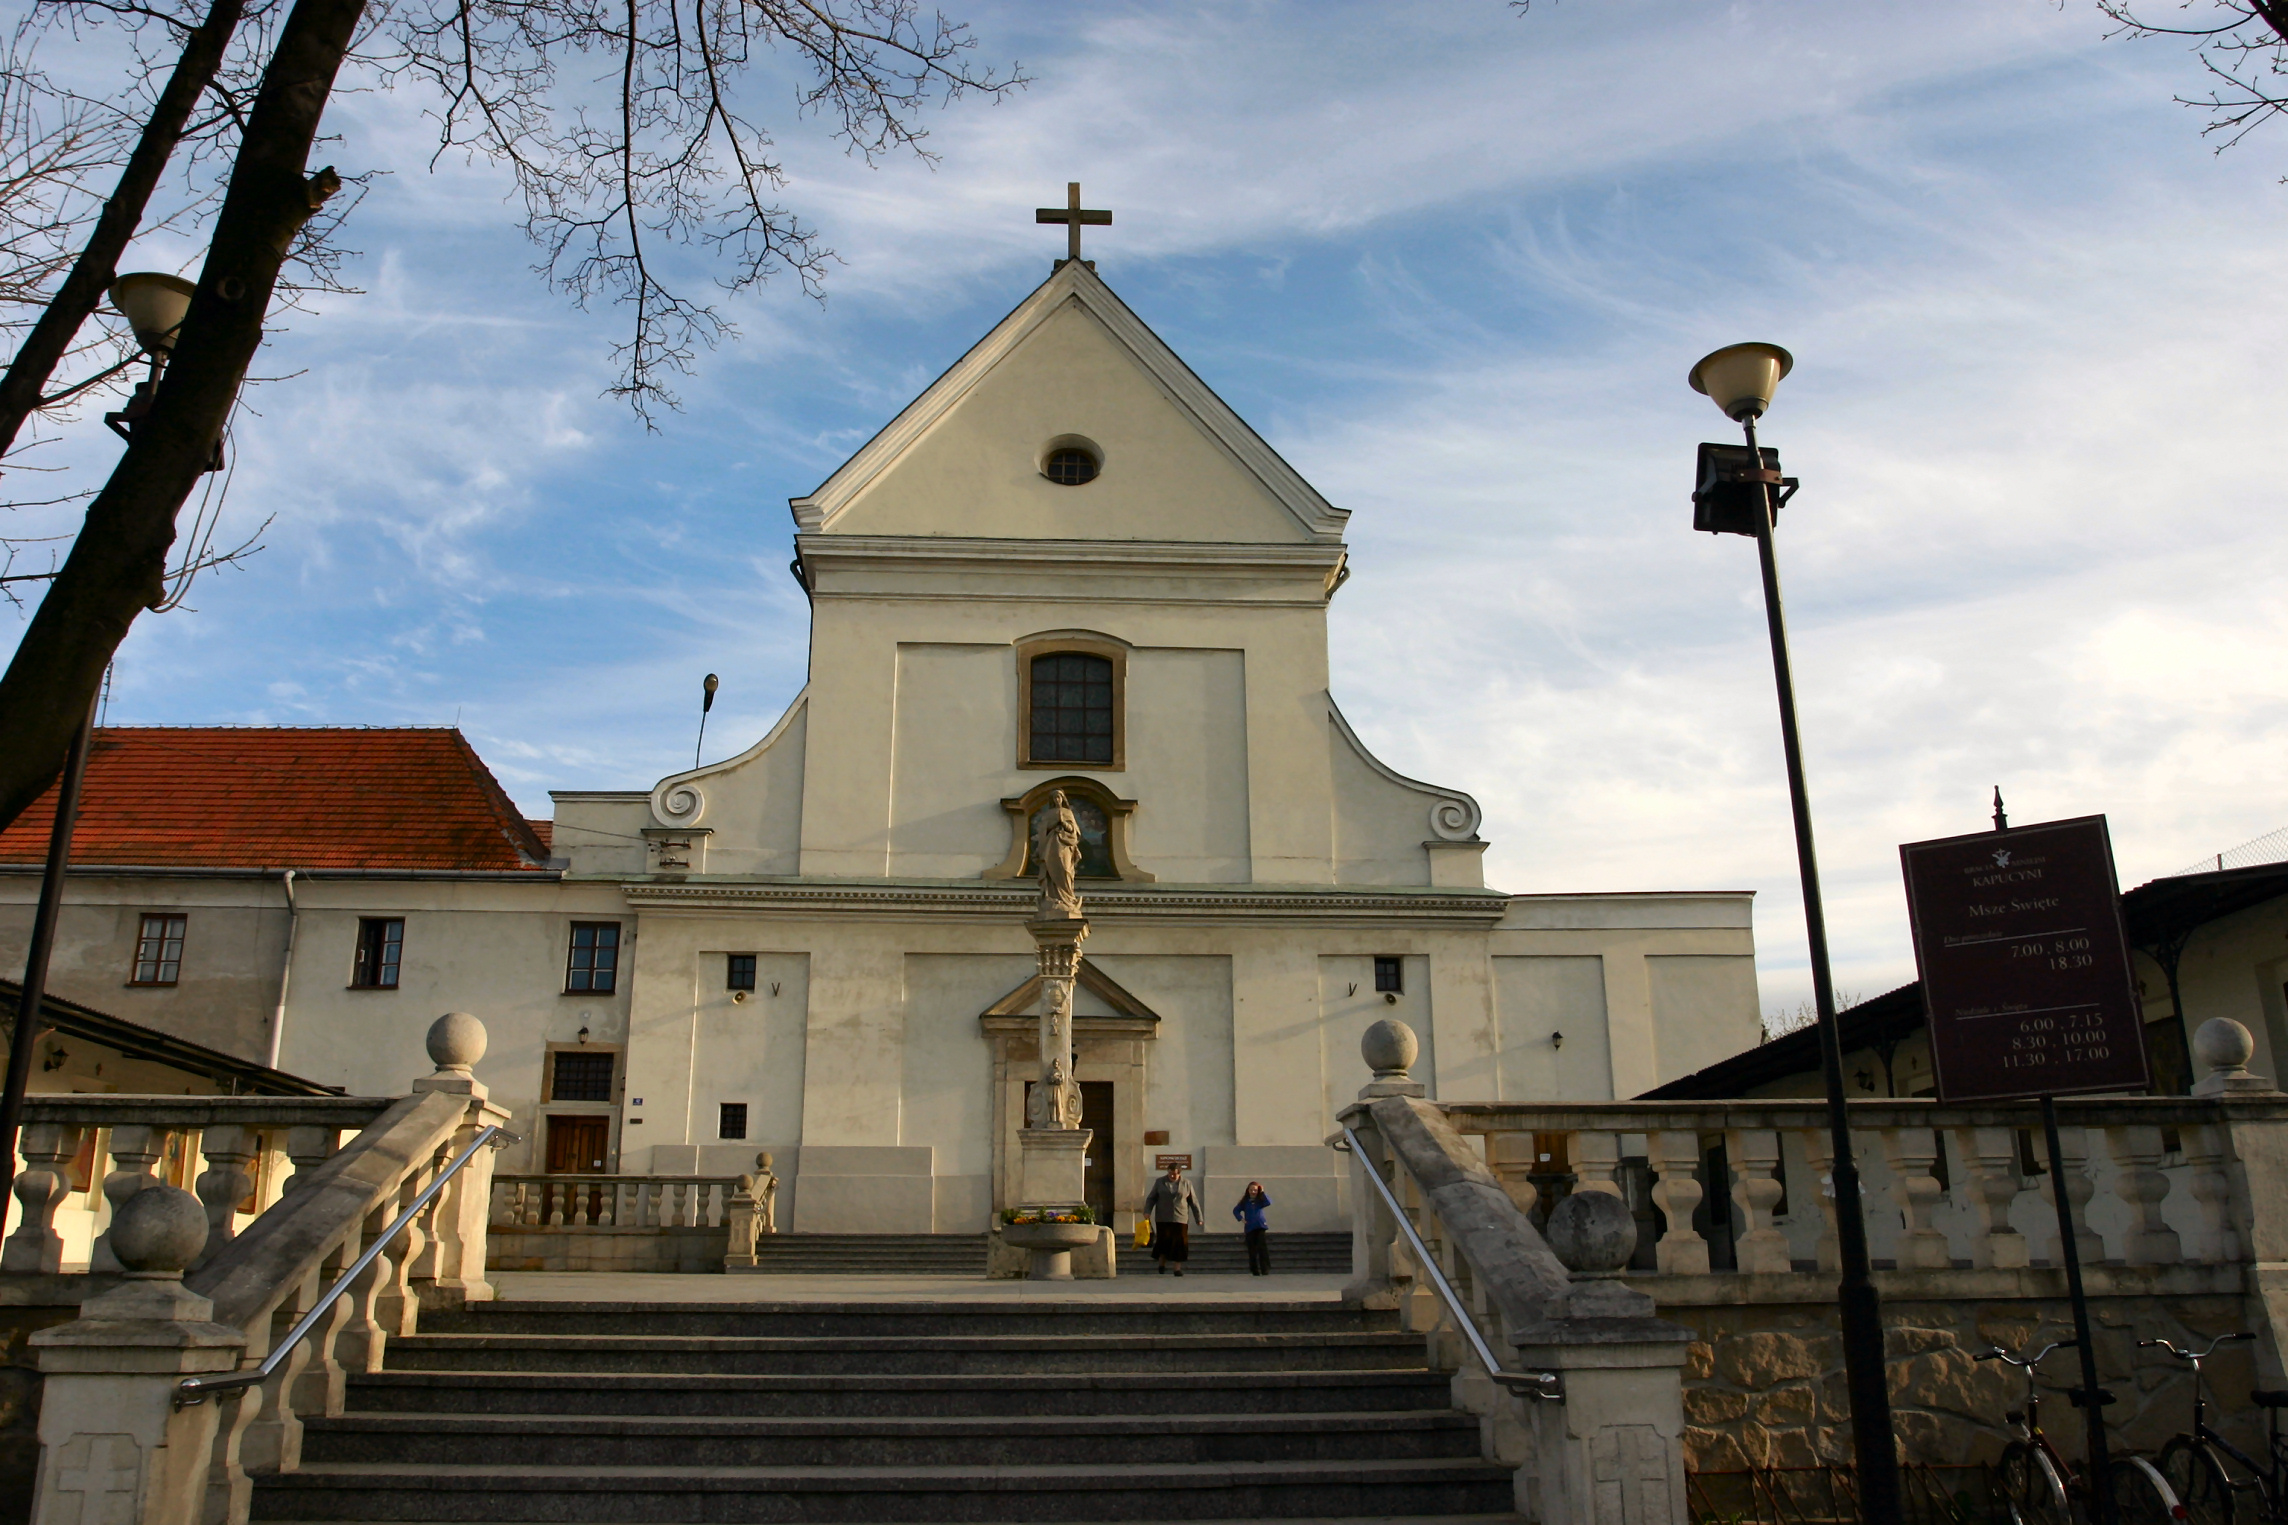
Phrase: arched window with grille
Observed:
(1073, 710)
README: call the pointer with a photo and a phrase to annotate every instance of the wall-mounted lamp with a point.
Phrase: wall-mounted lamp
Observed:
(583, 1035)
(154, 305)
(55, 1059)
(1556, 1040)
(1866, 1079)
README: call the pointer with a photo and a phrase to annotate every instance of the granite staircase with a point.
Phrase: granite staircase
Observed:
(641, 1414)
(964, 1255)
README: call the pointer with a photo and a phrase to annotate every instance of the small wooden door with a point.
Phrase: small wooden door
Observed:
(577, 1145)
(1096, 1113)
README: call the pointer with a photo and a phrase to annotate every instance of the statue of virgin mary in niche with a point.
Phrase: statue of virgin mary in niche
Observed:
(1056, 848)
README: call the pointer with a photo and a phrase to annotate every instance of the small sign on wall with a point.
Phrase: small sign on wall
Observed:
(1165, 1162)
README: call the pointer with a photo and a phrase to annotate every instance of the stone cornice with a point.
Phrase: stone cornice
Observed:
(820, 551)
(1196, 904)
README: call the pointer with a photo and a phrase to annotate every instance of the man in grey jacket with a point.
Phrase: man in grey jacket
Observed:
(1174, 1208)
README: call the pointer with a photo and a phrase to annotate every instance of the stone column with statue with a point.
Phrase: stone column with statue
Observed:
(1049, 1218)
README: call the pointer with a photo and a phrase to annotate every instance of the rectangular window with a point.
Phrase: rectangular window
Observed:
(159, 950)
(1390, 974)
(380, 945)
(733, 1120)
(1071, 708)
(740, 973)
(581, 1075)
(593, 966)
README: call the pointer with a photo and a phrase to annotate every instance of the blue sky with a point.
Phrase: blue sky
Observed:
(1454, 263)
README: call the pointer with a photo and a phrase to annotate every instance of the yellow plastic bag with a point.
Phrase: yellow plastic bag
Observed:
(1143, 1233)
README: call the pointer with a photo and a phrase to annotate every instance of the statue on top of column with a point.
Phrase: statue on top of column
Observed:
(1056, 848)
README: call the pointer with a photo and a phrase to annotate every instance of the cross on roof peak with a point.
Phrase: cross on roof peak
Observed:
(1073, 215)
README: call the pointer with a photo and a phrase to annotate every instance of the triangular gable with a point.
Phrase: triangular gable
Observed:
(967, 444)
(1023, 1001)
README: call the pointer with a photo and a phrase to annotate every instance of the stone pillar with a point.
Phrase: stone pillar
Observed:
(1390, 1049)
(1052, 1172)
(113, 1447)
(2253, 1135)
(451, 1269)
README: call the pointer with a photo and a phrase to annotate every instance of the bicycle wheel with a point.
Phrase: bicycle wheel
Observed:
(2203, 1491)
(2032, 1486)
(2140, 1495)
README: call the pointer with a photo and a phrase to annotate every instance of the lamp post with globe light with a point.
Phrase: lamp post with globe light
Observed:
(1740, 492)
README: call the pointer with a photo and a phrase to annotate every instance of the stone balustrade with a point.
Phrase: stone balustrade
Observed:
(2175, 1208)
(1740, 1187)
(255, 1284)
(229, 1138)
(617, 1223)
(601, 1201)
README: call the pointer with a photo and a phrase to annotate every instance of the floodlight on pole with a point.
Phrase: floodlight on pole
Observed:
(1740, 492)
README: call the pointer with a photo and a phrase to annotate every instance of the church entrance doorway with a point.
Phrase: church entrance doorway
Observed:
(1096, 1113)
(577, 1144)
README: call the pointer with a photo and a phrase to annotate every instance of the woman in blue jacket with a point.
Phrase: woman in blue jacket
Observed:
(1252, 1210)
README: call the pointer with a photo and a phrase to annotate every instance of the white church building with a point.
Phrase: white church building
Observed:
(1066, 565)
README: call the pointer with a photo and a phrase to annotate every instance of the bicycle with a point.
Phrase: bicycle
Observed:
(2194, 1463)
(2040, 1487)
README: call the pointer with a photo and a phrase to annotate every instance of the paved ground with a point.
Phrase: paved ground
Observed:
(619, 1287)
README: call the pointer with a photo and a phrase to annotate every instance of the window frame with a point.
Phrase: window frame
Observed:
(572, 951)
(618, 1054)
(1397, 964)
(358, 951)
(175, 928)
(1080, 646)
(723, 1111)
(732, 971)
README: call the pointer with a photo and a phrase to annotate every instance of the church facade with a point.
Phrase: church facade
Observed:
(1066, 566)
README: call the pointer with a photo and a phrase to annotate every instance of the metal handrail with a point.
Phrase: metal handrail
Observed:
(1533, 1384)
(193, 1390)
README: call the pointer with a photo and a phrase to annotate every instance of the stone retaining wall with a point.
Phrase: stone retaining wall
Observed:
(1764, 1381)
(686, 1250)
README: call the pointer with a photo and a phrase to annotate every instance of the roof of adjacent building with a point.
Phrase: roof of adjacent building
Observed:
(135, 1041)
(315, 797)
(2155, 915)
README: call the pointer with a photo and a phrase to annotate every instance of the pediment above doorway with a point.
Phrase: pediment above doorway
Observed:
(1115, 1007)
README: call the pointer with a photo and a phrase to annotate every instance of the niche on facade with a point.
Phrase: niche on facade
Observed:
(1103, 820)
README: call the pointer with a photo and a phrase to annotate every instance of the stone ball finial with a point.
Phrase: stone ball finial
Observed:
(1593, 1232)
(456, 1041)
(2220, 1043)
(158, 1231)
(1390, 1049)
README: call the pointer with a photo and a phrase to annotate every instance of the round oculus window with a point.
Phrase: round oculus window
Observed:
(1069, 466)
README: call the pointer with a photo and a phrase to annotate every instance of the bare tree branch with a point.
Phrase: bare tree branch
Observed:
(2243, 48)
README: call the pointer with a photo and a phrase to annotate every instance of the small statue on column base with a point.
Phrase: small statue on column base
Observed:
(762, 1188)
(1056, 849)
(1055, 1102)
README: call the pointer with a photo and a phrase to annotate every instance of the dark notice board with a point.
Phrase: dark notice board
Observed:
(2025, 965)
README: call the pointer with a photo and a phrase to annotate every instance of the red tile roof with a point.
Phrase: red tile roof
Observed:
(286, 797)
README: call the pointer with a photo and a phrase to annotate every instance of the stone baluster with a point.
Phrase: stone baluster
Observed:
(1990, 1160)
(308, 1148)
(360, 1344)
(1910, 1153)
(231, 1151)
(1510, 1157)
(321, 1383)
(272, 1440)
(1597, 1163)
(40, 1187)
(1756, 1190)
(136, 1150)
(2073, 1147)
(396, 1306)
(556, 1203)
(2139, 1183)
(583, 1203)
(1819, 1154)
(1676, 1156)
(2209, 1183)
(607, 1202)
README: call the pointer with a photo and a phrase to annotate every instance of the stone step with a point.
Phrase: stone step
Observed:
(874, 1396)
(544, 1440)
(1377, 1519)
(905, 1354)
(842, 1495)
(848, 1320)
(1226, 1254)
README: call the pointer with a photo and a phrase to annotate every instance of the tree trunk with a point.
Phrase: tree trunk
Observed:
(51, 337)
(117, 566)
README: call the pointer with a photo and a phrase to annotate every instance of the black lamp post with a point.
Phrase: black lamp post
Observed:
(1741, 492)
